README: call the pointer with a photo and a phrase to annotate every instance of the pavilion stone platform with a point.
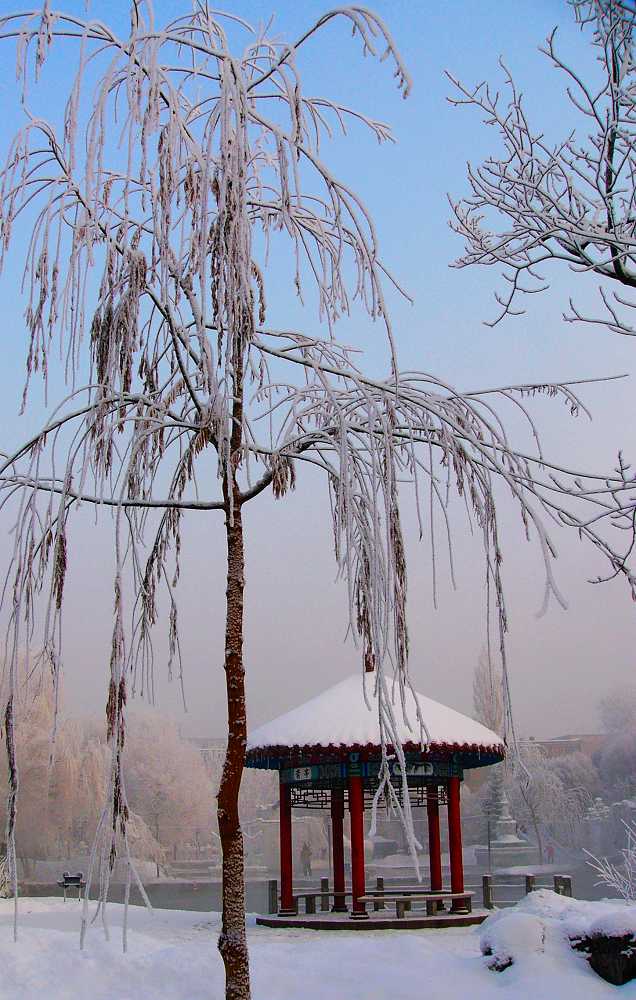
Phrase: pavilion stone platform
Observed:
(375, 922)
(328, 754)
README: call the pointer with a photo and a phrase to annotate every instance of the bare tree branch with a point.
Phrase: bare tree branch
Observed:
(572, 202)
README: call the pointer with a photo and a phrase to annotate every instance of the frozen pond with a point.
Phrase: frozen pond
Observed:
(206, 895)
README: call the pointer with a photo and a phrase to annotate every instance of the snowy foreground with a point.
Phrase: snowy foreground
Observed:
(172, 956)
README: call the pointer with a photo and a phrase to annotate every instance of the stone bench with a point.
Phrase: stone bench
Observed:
(310, 899)
(381, 892)
(403, 900)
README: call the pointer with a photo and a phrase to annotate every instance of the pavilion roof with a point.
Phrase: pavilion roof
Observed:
(340, 717)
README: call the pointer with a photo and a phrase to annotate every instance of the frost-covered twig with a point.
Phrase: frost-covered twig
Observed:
(621, 877)
(572, 201)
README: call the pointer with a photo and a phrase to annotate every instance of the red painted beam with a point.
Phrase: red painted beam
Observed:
(337, 840)
(356, 808)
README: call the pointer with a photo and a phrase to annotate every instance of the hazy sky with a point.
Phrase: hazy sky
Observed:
(296, 617)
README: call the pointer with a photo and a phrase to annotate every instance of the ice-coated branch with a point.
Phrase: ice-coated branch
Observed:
(620, 877)
(572, 202)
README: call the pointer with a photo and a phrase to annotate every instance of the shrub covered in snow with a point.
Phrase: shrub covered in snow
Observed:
(503, 941)
(544, 921)
(612, 956)
(610, 944)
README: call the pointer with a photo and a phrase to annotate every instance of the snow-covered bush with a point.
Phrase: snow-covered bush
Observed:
(503, 941)
(610, 945)
(544, 922)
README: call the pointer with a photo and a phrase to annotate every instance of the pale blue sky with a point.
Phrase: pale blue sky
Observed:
(296, 617)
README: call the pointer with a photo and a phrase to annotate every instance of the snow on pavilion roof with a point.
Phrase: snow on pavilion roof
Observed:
(339, 717)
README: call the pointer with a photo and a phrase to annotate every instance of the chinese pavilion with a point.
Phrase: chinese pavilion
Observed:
(328, 756)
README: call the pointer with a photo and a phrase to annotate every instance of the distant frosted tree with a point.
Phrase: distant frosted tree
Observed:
(616, 758)
(547, 796)
(490, 698)
(578, 774)
(539, 799)
(77, 785)
(64, 779)
(32, 736)
(617, 709)
(167, 783)
(490, 693)
(617, 764)
(184, 157)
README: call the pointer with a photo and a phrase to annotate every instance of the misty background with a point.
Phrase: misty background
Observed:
(560, 664)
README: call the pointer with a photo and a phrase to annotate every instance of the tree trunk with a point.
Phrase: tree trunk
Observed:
(537, 833)
(232, 941)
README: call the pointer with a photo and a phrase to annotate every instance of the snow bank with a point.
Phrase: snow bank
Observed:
(576, 917)
(172, 956)
(505, 941)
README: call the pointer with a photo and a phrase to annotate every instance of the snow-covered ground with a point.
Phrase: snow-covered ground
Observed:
(172, 956)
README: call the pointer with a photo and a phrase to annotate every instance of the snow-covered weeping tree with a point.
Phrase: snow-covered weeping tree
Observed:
(149, 215)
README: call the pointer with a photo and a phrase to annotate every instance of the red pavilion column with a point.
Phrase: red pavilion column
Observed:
(434, 840)
(337, 840)
(356, 808)
(286, 860)
(455, 842)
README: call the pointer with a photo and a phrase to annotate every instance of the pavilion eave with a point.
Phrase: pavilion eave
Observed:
(276, 757)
